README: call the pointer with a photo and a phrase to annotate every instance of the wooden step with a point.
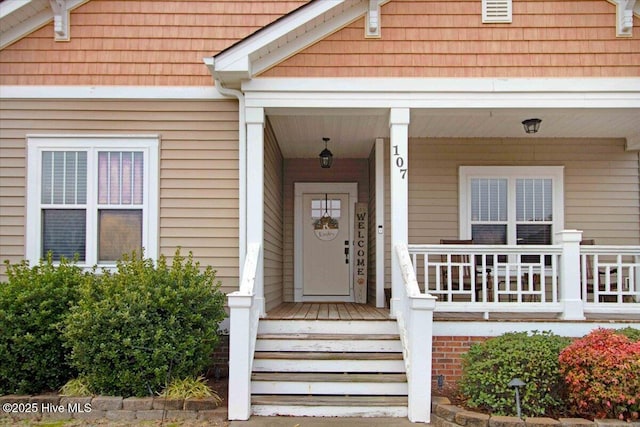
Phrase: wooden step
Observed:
(327, 362)
(329, 337)
(297, 400)
(311, 355)
(329, 377)
(268, 326)
(329, 343)
(329, 383)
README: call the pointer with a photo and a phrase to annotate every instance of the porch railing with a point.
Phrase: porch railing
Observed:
(610, 277)
(496, 278)
(244, 314)
(414, 314)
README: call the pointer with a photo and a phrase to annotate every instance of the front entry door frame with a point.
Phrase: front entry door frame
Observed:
(301, 188)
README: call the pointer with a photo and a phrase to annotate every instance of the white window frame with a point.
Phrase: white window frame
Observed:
(147, 144)
(511, 173)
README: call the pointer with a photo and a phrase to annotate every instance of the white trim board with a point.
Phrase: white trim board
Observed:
(443, 93)
(112, 92)
(496, 328)
(318, 187)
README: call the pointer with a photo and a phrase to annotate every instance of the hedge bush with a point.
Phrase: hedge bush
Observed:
(602, 372)
(33, 302)
(488, 368)
(134, 329)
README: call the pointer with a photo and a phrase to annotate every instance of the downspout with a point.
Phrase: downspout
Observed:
(242, 160)
(242, 173)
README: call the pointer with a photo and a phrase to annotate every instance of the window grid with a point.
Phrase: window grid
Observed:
(534, 196)
(58, 179)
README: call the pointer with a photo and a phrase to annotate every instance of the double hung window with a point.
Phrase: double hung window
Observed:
(502, 205)
(92, 197)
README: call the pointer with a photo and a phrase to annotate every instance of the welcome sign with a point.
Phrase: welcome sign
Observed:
(360, 253)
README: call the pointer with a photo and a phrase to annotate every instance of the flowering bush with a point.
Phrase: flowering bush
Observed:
(602, 373)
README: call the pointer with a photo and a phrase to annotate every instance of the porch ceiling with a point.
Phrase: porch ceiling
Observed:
(353, 132)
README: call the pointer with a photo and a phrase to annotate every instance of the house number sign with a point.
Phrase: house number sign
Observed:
(400, 163)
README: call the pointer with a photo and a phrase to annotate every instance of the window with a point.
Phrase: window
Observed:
(511, 205)
(94, 197)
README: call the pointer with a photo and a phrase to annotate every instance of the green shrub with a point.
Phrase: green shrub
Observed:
(632, 333)
(602, 371)
(489, 367)
(134, 329)
(33, 302)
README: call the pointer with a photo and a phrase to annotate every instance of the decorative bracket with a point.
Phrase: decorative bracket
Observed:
(372, 23)
(60, 20)
(624, 17)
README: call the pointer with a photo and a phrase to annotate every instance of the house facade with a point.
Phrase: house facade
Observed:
(440, 221)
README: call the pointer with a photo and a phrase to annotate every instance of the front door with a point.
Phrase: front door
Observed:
(324, 224)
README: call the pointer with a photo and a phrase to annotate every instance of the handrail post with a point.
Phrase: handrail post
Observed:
(570, 288)
(420, 337)
(239, 356)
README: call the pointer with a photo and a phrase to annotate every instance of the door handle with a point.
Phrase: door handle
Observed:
(346, 255)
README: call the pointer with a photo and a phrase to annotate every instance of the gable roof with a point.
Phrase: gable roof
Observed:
(284, 37)
(294, 32)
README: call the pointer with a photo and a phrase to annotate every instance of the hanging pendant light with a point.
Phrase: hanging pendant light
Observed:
(326, 157)
(531, 125)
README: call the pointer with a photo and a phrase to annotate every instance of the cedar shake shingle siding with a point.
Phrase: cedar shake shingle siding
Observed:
(448, 39)
(137, 42)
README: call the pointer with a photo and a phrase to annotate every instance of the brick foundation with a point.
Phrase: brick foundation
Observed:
(447, 359)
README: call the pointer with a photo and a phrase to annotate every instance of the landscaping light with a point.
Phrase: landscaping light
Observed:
(517, 383)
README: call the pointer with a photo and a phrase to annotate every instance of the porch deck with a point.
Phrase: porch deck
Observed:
(327, 311)
(351, 311)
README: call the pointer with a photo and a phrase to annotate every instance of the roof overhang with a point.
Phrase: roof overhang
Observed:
(19, 18)
(284, 38)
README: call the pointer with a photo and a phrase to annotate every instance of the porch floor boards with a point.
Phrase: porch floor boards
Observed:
(351, 311)
(327, 311)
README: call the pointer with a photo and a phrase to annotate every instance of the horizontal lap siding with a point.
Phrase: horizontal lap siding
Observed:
(137, 42)
(439, 38)
(600, 178)
(273, 224)
(198, 169)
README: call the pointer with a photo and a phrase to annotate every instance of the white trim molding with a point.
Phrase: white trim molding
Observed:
(149, 145)
(318, 187)
(443, 93)
(112, 92)
(511, 173)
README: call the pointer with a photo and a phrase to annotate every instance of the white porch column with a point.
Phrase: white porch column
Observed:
(570, 274)
(380, 300)
(399, 157)
(255, 194)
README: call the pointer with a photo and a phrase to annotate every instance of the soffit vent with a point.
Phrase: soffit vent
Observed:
(496, 11)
